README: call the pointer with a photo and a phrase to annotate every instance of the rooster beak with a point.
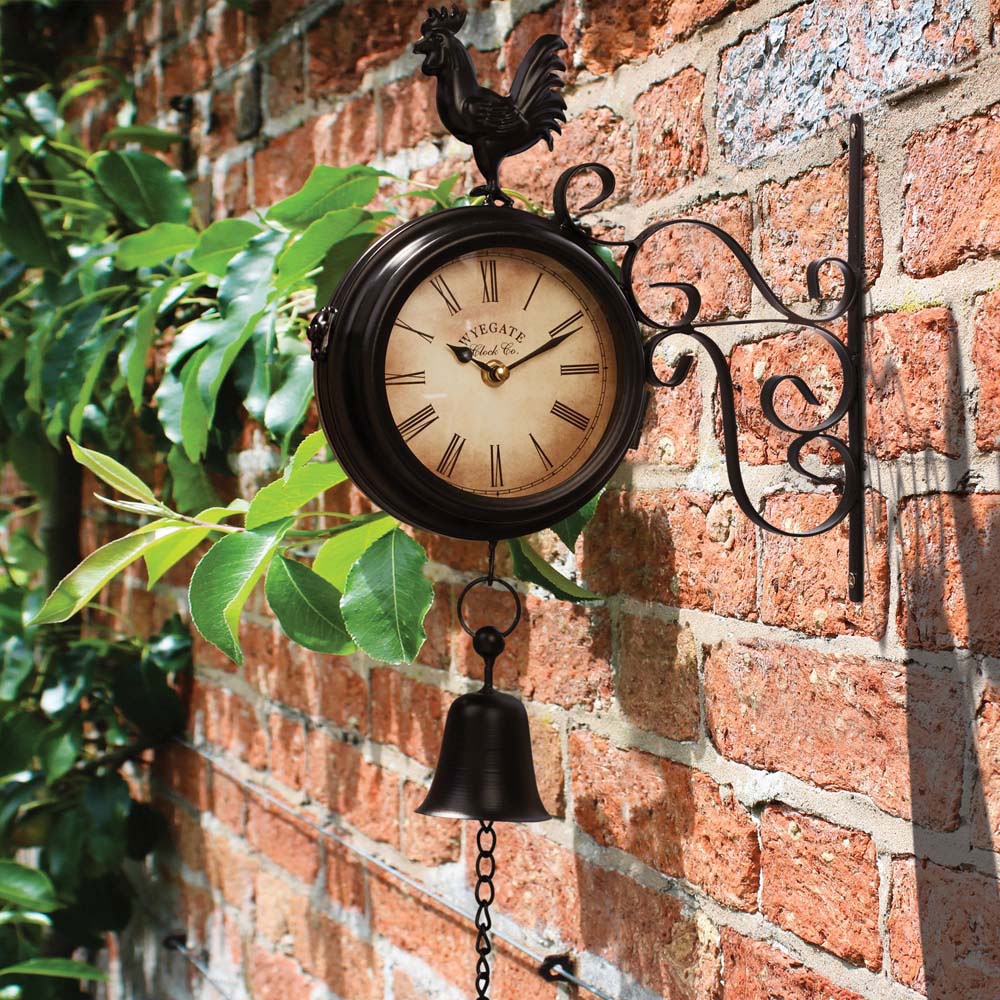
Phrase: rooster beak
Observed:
(422, 47)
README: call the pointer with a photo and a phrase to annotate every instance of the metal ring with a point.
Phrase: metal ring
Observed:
(503, 583)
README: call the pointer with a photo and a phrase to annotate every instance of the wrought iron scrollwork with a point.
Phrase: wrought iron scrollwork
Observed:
(850, 303)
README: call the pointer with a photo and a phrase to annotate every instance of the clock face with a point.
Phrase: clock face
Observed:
(501, 372)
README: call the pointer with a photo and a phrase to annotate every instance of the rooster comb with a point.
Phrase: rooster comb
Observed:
(443, 20)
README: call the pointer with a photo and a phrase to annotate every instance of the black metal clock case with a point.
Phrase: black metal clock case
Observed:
(349, 348)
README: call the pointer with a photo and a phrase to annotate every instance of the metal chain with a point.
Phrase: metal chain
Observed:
(486, 841)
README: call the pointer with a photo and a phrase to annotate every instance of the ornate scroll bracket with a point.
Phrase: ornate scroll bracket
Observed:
(850, 356)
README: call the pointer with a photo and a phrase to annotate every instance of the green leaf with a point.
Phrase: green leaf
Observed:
(287, 407)
(24, 917)
(224, 578)
(326, 189)
(307, 607)
(387, 597)
(61, 968)
(218, 244)
(338, 554)
(310, 447)
(80, 585)
(570, 528)
(17, 664)
(26, 887)
(173, 547)
(142, 186)
(531, 567)
(113, 473)
(312, 246)
(22, 231)
(141, 328)
(145, 135)
(244, 289)
(338, 262)
(143, 694)
(156, 245)
(284, 497)
(192, 487)
(59, 751)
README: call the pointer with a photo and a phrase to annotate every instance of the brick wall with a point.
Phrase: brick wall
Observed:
(762, 790)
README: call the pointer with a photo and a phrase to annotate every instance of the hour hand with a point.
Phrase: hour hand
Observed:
(465, 355)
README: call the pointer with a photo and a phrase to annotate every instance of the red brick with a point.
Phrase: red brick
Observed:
(949, 546)
(409, 113)
(184, 772)
(666, 949)
(670, 135)
(939, 230)
(232, 196)
(658, 677)
(841, 722)
(283, 910)
(286, 82)
(675, 819)
(555, 20)
(347, 135)
(229, 801)
(942, 926)
(283, 838)
(820, 881)
(275, 976)
(805, 579)
(345, 964)
(186, 836)
(428, 840)
(230, 869)
(288, 750)
(614, 33)
(914, 395)
(407, 714)
(436, 650)
(685, 549)
(559, 653)
(340, 47)
(343, 694)
(230, 722)
(594, 134)
(805, 218)
(363, 794)
(755, 970)
(515, 977)
(422, 928)
(281, 167)
(986, 790)
(187, 71)
(227, 35)
(807, 355)
(547, 756)
(345, 878)
(692, 254)
(670, 430)
(986, 358)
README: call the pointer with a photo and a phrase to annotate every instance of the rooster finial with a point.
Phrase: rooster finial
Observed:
(442, 20)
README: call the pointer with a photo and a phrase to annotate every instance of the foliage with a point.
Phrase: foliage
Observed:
(103, 261)
(73, 711)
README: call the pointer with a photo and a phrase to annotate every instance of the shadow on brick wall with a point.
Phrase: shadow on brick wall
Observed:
(944, 911)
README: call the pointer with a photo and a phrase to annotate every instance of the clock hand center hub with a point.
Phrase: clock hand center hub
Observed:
(495, 373)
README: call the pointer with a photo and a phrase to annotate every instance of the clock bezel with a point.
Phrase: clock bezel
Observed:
(353, 402)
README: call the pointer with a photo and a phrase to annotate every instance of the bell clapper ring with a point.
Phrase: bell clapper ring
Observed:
(489, 641)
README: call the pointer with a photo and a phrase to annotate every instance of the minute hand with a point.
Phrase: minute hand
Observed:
(555, 342)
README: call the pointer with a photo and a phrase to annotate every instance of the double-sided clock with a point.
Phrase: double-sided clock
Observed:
(479, 373)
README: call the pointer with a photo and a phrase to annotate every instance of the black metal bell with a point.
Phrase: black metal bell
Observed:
(485, 769)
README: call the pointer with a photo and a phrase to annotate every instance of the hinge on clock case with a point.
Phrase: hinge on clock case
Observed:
(320, 328)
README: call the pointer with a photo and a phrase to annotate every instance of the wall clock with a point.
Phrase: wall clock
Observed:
(481, 374)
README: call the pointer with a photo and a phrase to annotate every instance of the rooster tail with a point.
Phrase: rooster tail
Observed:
(535, 90)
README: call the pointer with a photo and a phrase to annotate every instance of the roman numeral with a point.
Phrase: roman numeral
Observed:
(405, 378)
(541, 454)
(566, 325)
(429, 337)
(489, 271)
(450, 457)
(420, 421)
(496, 469)
(567, 413)
(441, 287)
(531, 294)
(579, 369)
